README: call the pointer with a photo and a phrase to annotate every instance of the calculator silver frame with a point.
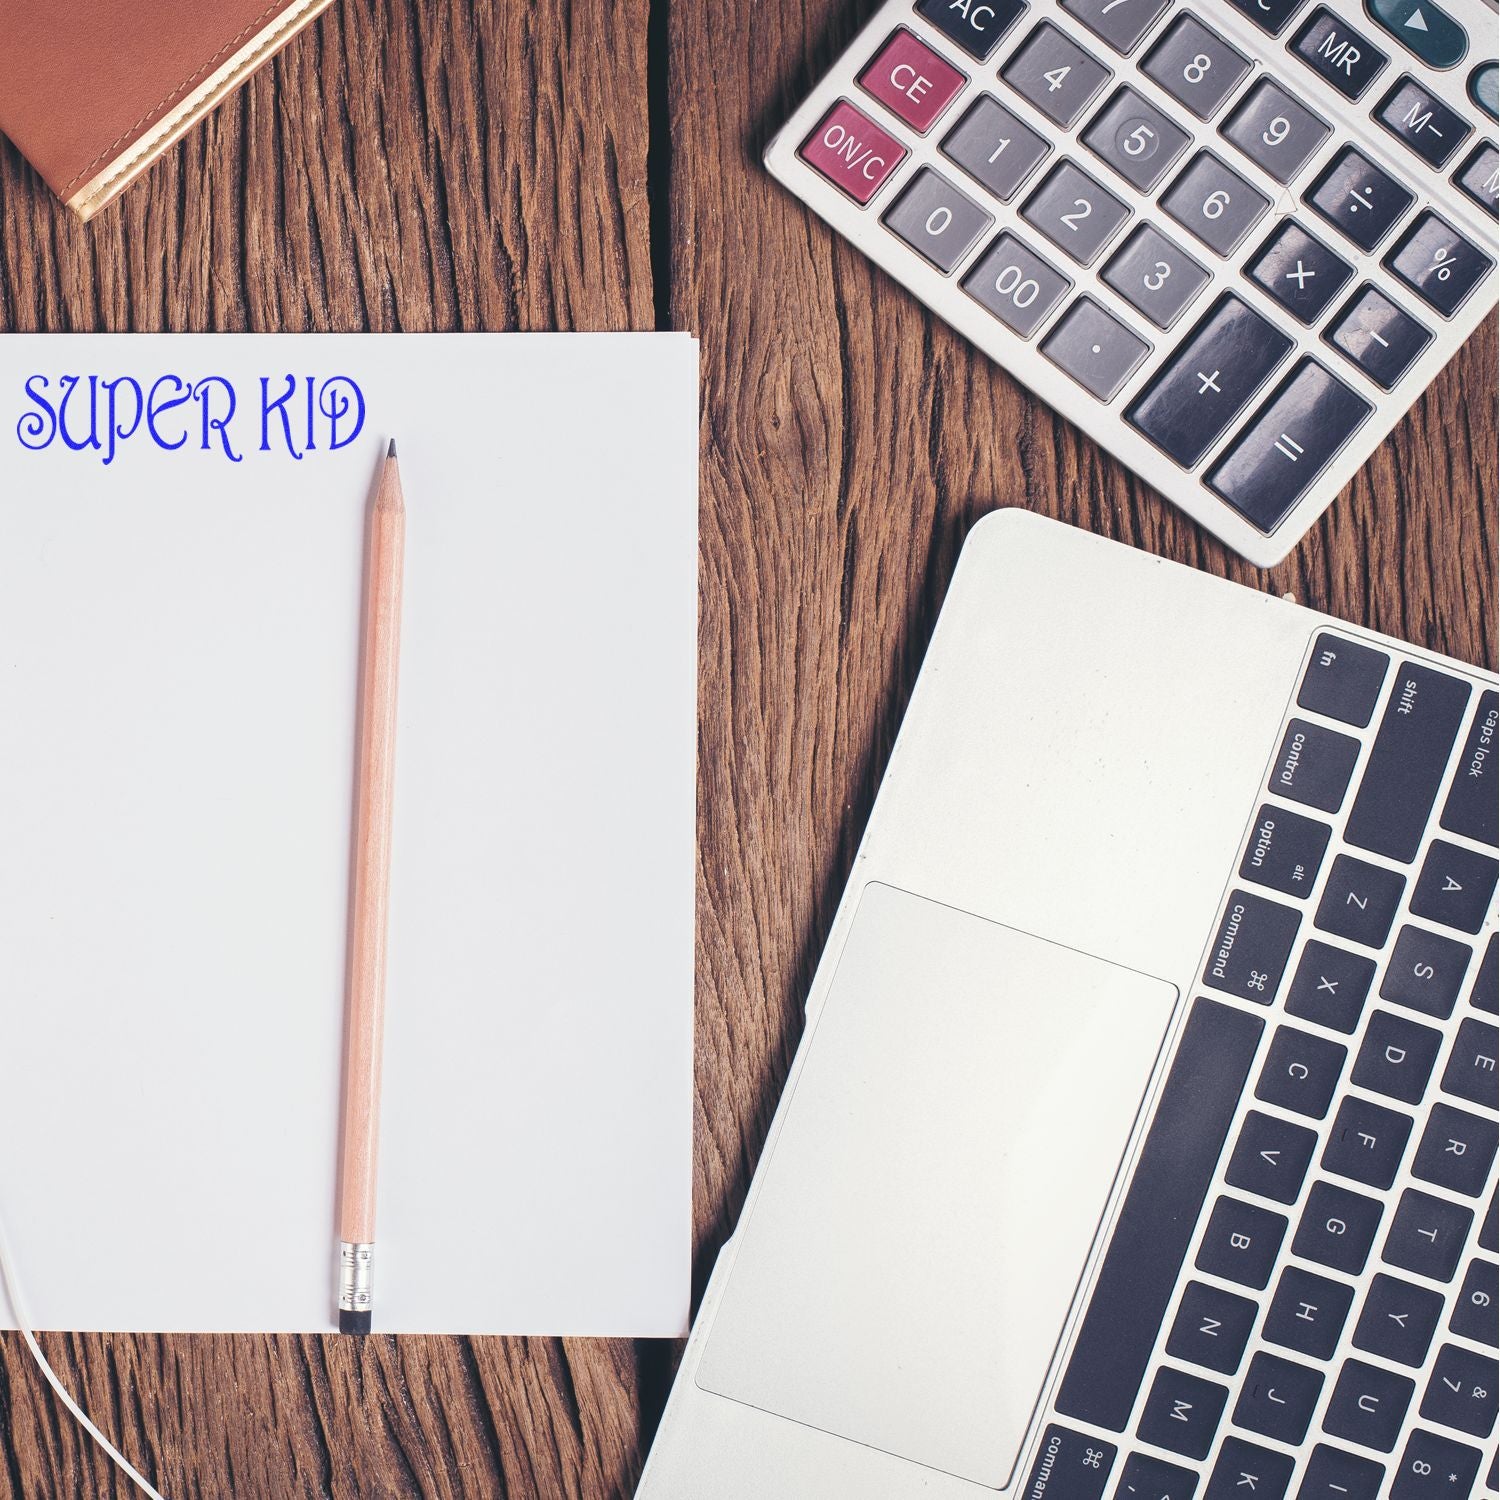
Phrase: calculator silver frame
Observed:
(1022, 359)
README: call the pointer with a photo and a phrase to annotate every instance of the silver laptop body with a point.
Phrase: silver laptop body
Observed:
(1065, 885)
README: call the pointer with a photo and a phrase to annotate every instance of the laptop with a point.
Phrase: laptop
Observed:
(1141, 1140)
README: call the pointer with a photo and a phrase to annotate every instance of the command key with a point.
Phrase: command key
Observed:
(1069, 1466)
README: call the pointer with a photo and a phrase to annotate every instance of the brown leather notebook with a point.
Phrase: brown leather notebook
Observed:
(93, 91)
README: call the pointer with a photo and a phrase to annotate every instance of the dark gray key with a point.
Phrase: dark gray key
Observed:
(1151, 1237)
(1300, 272)
(1181, 1412)
(1196, 66)
(996, 148)
(1479, 178)
(1358, 199)
(1307, 1313)
(1343, 679)
(976, 28)
(1489, 1229)
(1285, 850)
(1055, 74)
(1019, 287)
(1269, 15)
(1421, 121)
(1435, 1468)
(1368, 1405)
(1337, 1228)
(1135, 138)
(1438, 263)
(1121, 23)
(940, 223)
(1455, 886)
(1485, 995)
(1456, 1150)
(1359, 902)
(1425, 971)
(1274, 131)
(1251, 947)
(1096, 349)
(1240, 1242)
(1154, 276)
(1278, 456)
(1271, 1157)
(1313, 765)
(1476, 1313)
(1212, 1327)
(1396, 1057)
(1471, 1070)
(1427, 1235)
(1214, 204)
(1330, 986)
(1075, 212)
(1398, 1320)
(1336, 1474)
(1366, 1142)
(1422, 27)
(1473, 805)
(1147, 1478)
(1277, 1398)
(1379, 337)
(1461, 1390)
(1337, 52)
(1301, 1072)
(1207, 383)
(1070, 1466)
(1247, 1468)
(1406, 765)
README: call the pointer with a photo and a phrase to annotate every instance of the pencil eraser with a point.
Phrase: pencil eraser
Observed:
(353, 1322)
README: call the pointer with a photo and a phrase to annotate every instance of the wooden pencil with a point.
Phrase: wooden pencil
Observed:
(364, 1019)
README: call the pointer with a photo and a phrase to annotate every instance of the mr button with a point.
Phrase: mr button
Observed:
(912, 81)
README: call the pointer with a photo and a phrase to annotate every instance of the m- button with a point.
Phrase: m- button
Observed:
(912, 81)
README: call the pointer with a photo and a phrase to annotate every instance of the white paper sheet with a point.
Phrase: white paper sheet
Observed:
(178, 645)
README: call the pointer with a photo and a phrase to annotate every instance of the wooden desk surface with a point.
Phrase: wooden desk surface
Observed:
(416, 164)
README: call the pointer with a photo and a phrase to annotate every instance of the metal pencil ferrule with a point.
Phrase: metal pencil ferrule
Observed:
(356, 1276)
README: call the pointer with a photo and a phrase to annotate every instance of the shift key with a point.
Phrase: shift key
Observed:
(1405, 770)
(1473, 806)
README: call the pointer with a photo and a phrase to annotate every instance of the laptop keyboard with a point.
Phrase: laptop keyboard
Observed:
(1299, 1294)
(1159, 216)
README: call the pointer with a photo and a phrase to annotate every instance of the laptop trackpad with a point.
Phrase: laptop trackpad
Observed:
(903, 1276)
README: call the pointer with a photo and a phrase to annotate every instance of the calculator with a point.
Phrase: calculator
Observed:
(1233, 241)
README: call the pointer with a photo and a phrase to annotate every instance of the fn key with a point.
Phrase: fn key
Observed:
(1292, 439)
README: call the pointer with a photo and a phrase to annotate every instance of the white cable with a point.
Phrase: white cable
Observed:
(12, 1288)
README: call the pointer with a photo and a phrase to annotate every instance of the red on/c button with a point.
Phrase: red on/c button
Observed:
(852, 151)
(911, 80)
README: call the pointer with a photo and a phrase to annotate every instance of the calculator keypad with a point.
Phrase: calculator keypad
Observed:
(1241, 241)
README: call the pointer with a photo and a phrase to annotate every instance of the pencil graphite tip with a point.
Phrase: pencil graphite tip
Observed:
(391, 451)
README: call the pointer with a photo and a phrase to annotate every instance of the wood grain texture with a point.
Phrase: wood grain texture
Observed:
(413, 164)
